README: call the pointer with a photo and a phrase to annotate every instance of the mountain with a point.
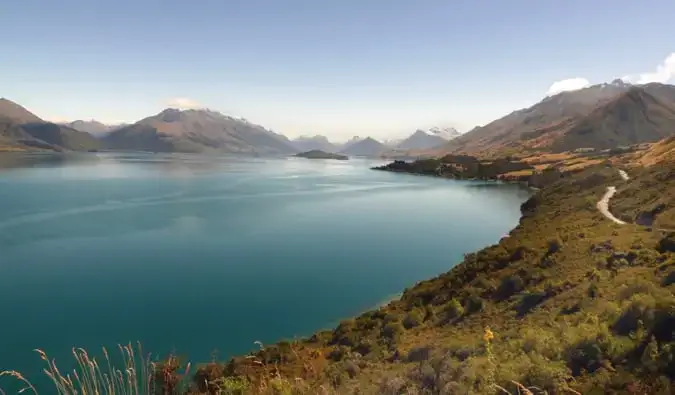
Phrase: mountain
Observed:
(20, 129)
(349, 143)
(366, 147)
(421, 140)
(12, 111)
(174, 130)
(93, 127)
(311, 143)
(444, 133)
(600, 116)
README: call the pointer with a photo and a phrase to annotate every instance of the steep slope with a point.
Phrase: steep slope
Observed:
(634, 117)
(12, 111)
(21, 129)
(421, 140)
(174, 130)
(544, 125)
(310, 143)
(366, 147)
(349, 143)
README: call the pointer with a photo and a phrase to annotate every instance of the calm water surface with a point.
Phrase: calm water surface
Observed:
(197, 254)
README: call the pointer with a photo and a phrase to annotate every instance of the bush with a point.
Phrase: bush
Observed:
(338, 353)
(529, 301)
(419, 354)
(392, 331)
(473, 304)
(453, 310)
(413, 318)
(351, 368)
(510, 286)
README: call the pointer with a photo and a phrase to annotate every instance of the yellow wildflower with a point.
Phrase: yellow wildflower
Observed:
(488, 336)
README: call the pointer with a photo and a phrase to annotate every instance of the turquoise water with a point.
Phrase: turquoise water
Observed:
(196, 254)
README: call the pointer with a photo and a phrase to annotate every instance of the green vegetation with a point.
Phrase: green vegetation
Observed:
(318, 154)
(570, 302)
(466, 167)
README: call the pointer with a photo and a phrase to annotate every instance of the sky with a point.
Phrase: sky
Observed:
(340, 68)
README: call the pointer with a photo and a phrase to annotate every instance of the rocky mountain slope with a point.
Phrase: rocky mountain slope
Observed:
(174, 130)
(22, 130)
(421, 140)
(309, 143)
(448, 133)
(366, 147)
(93, 127)
(601, 116)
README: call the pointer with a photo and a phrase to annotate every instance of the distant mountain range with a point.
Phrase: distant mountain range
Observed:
(93, 127)
(422, 139)
(320, 143)
(364, 147)
(597, 117)
(174, 130)
(600, 116)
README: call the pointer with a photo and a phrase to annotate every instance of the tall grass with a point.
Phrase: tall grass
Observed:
(138, 374)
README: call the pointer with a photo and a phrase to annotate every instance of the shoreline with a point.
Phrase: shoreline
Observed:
(524, 184)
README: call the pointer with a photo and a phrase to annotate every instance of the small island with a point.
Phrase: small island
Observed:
(318, 154)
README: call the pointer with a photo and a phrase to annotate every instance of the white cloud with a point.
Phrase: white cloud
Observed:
(570, 84)
(665, 72)
(182, 103)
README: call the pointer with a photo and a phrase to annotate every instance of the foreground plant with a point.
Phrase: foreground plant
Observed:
(139, 375)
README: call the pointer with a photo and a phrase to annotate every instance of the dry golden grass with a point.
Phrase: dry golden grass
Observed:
(656, 153)
(137, 376)
(581, 164)
(518, 173)
(9, 148)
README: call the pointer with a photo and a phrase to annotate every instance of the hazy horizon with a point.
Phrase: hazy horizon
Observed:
(377, 68)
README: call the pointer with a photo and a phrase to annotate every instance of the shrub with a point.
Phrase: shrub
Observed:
(510, 286)
(419, 354)
(454, 310)
(351, 368)
(392, 331)
(413, 318)
(529, 301)
(473, 304)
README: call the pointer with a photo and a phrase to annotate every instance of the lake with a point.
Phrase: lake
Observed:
(203, 254)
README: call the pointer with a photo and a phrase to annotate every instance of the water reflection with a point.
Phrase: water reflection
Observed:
(13, 160)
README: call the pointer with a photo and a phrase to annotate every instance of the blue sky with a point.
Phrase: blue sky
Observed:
(333, 67)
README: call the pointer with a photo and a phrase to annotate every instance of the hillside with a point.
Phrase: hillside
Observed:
(318, 154)
(174, 130)
(421, 140)
(569, 302)
(307, 143)
(601, 116)
(366, 147)
(12, 111)
(22, 130)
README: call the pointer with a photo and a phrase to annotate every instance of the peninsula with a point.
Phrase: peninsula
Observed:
(318, 154)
